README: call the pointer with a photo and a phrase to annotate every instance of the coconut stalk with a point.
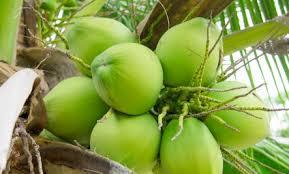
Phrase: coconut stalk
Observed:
(168, 13)
(9, 17)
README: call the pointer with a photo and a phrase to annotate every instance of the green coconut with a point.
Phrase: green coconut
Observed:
(128, 77)
(251, 129)
(73, 108)
(131, 141)
(194, 151)
(182, 50)
(89, 36)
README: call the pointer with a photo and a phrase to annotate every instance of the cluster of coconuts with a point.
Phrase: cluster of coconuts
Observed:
(108, 110)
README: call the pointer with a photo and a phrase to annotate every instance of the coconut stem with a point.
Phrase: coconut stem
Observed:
(230, 107)
(261, 109)
(199, 108)
(223, 77)
(202, 89)
(78, 60)
(185, 112)
(243, 111)
(162, 116)
(219, 37)
(198, 77)
(237, 97)
(208, 112)
(224, 123)
(209, 99)
(186, 100)
(51, 27)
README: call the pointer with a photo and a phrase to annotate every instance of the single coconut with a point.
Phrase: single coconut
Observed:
(131, 141)
(194, 151)
(73, 108)
(251, 128)
(128, 77)
(182, 49)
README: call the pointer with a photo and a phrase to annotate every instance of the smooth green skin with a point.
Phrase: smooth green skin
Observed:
(73, 108)
(252, 130)
(49, 5)
(182, 50)
(90, 36)
(128, 77)
(132, 141)
(194, 151)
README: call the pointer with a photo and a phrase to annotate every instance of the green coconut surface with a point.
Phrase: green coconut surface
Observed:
(252, 129)
(132, 141)
(181, 51)
(73, 108)
(128, 77)
(194, 151)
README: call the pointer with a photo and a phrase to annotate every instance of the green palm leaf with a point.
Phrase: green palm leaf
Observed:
(9, 17)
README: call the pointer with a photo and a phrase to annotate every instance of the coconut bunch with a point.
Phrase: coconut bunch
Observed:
(154, 111)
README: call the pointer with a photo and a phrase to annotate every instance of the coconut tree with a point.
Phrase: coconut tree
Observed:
(255, 51)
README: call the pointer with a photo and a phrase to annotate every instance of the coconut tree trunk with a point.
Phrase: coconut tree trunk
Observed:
(168, 13)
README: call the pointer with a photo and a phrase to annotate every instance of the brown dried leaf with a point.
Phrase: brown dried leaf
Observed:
(58, 157)
(53, 62)
(6, 71)
(37, 113)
